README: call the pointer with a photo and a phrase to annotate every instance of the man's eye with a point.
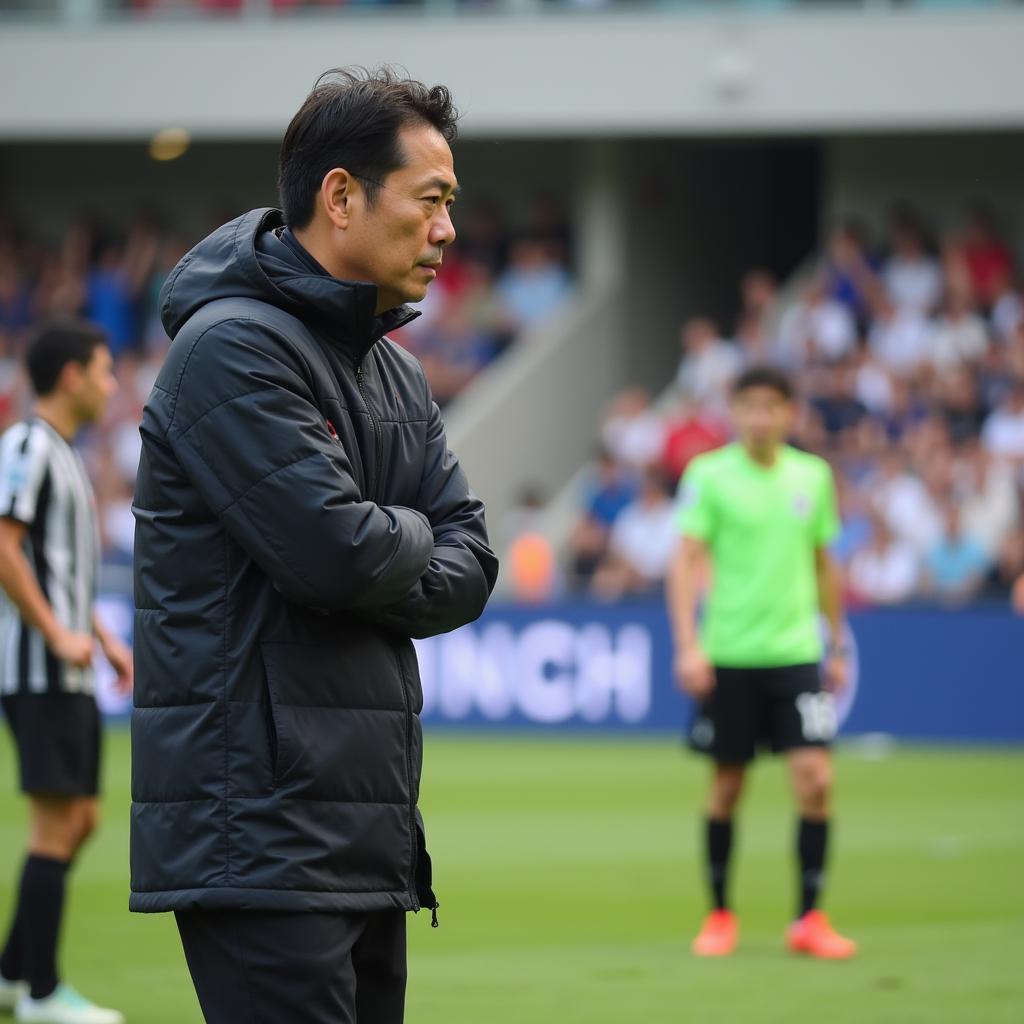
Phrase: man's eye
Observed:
(433, 200)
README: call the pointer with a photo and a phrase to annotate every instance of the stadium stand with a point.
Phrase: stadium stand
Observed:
(910, 359)
(729, 157)
(497, 280)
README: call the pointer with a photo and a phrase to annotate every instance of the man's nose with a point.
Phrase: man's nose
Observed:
(442, 231)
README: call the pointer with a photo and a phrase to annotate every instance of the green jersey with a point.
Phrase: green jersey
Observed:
(762, 526)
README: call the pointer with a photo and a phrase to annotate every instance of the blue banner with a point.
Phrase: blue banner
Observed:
(570, 666)
(935, 674)
(919, 673)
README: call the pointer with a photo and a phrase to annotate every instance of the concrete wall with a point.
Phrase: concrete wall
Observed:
(643, 73)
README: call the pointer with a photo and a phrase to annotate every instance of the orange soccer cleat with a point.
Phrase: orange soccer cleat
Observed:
(718, 935)
(812, 934)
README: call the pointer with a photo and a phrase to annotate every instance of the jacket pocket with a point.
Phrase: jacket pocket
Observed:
(274, 721)
(270, 722)
(325, 742)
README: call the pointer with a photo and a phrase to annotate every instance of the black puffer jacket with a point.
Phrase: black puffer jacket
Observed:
(299, 518)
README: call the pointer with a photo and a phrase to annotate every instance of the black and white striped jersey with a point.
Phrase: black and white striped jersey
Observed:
(44, 485)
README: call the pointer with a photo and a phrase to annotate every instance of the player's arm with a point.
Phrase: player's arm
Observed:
(117, 653)
(830, 594)
(21, 586)
(693, 672)
(830, 601)
(695, 520)
(830, 584)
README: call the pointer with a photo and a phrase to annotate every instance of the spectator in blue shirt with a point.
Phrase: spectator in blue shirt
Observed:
(614, 488)
(956, 565)
(534, 284)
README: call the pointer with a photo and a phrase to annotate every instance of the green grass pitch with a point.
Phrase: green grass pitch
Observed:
(568, 876)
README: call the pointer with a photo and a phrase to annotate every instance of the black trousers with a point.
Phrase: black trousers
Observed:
(256, 967)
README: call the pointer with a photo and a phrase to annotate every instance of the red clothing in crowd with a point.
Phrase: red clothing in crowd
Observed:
(688, 437)
(989, 264)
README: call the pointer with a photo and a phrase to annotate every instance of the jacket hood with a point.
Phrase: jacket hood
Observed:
(246, 258)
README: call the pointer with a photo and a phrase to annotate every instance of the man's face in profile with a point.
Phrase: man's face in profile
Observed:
(398, 239)
(92, 385)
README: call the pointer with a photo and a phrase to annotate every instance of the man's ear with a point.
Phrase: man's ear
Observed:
(70, 378)
(336, 192)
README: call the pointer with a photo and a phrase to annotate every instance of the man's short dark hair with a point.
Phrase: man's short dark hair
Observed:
(765, 377)
(56, 343)
(352, 119)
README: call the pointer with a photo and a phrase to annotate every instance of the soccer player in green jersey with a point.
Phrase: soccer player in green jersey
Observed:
(763, 514)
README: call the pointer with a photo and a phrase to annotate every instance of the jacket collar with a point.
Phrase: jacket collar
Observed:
(247, 258)
(345, 312)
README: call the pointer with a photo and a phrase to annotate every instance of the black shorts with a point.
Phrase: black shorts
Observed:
(751, 708)
(58, 737)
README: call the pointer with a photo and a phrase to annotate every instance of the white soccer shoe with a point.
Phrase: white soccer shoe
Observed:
(65, 1006)
(10, 993)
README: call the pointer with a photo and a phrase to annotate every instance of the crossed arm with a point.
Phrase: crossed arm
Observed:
(285, 489)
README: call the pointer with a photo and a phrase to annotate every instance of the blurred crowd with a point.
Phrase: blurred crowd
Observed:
(909, 357)
(496, 281)
(908, 353)
(286, 6)
(494, 284)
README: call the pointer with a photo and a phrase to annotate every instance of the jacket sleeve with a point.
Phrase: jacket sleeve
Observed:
(247, 433)
(463, 568)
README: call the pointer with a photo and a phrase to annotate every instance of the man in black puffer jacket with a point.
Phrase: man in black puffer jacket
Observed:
(299, 519)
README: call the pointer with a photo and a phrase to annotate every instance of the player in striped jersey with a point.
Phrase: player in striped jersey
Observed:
(49, 547)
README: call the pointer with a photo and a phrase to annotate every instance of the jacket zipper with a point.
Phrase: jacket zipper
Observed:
(414, 842)
(378, 447)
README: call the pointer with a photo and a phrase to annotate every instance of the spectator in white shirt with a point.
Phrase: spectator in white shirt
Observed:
(961, 335)
(990, 507)
(906, 504)
(873, 383)
(817, 328)
(1003, 432)
(633, 433)
(708, 365)
(755, 334)
(900, 337)
(912, 278)
(886, 570)
(642, 542)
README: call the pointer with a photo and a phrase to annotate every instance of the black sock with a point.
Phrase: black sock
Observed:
(31, 953)
(811, 844)
(11, 968)
(718, 848)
